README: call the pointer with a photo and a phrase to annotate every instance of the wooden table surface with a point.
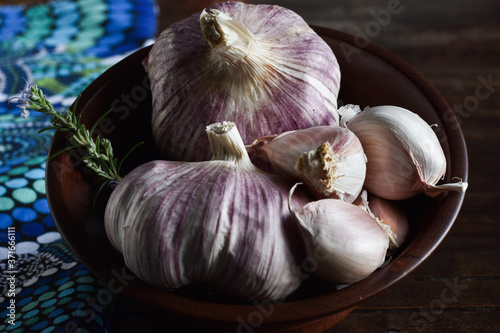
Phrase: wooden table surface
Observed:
(456, 45)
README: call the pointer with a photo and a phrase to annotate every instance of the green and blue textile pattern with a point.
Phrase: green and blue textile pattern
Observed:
(61, 46)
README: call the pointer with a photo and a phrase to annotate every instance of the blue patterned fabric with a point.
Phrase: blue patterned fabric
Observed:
(61, 46)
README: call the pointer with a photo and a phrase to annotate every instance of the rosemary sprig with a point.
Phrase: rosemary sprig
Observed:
(97, 154)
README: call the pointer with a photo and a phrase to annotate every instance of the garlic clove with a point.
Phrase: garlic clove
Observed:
(329, 159)
(344, 243)
(334, 174)
(390, 217)
(405, 157)
(222, 223)
(260, 65)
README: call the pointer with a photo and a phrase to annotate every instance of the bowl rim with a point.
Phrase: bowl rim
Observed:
(323, 305)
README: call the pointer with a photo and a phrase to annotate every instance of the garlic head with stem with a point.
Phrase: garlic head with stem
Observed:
(261, 66)
(223, 223)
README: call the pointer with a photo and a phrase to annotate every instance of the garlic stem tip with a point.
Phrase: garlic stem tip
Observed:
(210, 28)
(436, 190)
(221, 128)
(463, 186)
(458, 187)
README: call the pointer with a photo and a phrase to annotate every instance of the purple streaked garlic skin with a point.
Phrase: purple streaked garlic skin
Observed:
(223, 223)
(261, 66)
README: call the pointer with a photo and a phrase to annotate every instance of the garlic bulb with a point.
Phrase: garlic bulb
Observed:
(223, 223)
(260, 65)
(404, 155)
(329, 159)
(342, 240)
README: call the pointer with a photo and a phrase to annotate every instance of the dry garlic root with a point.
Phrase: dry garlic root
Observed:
(329, 159)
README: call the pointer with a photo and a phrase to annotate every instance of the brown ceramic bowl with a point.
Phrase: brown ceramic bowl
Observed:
(370, 76)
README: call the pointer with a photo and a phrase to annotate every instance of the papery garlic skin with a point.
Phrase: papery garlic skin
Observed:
(329, 159)
(344, 241)
(393, 217)
(405, 157)
(260, 65)
(222, 223)
(389, 216)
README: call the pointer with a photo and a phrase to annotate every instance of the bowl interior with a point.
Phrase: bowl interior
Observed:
(370, 76)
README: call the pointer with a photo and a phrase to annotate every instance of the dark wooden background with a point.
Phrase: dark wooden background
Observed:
(456, 45)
